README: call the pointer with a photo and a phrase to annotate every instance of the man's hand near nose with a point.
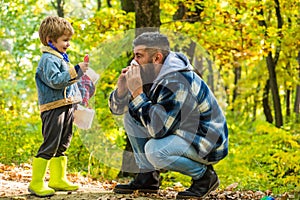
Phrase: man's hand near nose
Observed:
(122, 84)
(134, 81)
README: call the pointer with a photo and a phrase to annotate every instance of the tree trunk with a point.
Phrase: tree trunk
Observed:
(59, 6)
(271, 65)
(275, 93)
(108, 3)
(147, 19)
(297, 103)
(185, 13)
(267, 109)
(237, 77)
(198, 63)
(256, 101)
(127, 5)
(288, 103)
(98, 5)
(210, 76)
(147, 16)
(297, 99)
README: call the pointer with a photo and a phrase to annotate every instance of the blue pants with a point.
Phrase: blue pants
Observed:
(170, 153)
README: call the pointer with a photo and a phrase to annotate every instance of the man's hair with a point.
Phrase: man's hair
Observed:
(54, 27)
(153, 41)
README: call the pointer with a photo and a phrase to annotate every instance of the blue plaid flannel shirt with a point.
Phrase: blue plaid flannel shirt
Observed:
(181, 103)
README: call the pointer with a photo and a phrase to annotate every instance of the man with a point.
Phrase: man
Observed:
(171, 117)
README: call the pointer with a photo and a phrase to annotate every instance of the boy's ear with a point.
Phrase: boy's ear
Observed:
(48, 39)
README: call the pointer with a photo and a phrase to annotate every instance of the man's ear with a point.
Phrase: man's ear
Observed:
(158, 58)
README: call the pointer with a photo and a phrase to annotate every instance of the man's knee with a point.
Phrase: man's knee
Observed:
(154, 154)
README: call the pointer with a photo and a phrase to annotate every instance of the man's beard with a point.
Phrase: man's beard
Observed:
(148, 76)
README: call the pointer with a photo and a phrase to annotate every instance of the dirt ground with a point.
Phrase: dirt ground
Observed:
(15, 190)
(14, 181)
(92, 191)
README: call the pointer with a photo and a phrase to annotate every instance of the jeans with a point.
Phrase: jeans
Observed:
(170, 153)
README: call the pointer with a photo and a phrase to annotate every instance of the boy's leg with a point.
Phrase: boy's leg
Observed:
(67, 131)
(37, 185)
(53, 128)
(58, 175)
(58, 164)
(57, 133)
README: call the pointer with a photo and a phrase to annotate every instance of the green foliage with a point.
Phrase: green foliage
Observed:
(230, 32)
(260, 155)
(18, 137)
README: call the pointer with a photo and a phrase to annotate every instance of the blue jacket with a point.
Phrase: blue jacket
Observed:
(56, 81)
(179, 103)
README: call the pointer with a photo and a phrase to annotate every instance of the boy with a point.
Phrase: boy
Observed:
(57, 90)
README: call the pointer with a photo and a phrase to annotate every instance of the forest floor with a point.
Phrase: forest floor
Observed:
(14, 181)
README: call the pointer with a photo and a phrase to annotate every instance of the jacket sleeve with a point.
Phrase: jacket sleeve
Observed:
(161, 118)
(54, 74)
(118, 106)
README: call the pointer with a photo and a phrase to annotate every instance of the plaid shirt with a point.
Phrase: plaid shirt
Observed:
(180, 103)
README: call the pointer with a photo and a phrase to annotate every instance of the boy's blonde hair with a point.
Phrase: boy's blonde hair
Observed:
(54, 27)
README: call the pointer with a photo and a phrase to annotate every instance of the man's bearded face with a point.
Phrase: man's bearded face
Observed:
(147, 72)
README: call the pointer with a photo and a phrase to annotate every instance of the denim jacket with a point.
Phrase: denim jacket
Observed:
(56, 81)
(179, 103)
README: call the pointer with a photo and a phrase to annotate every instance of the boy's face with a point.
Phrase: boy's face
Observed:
(62, 43)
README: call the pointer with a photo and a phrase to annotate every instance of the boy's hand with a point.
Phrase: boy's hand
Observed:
(84, 66)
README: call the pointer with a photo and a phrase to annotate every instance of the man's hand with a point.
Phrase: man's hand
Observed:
(134, 80)
(122, 84)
